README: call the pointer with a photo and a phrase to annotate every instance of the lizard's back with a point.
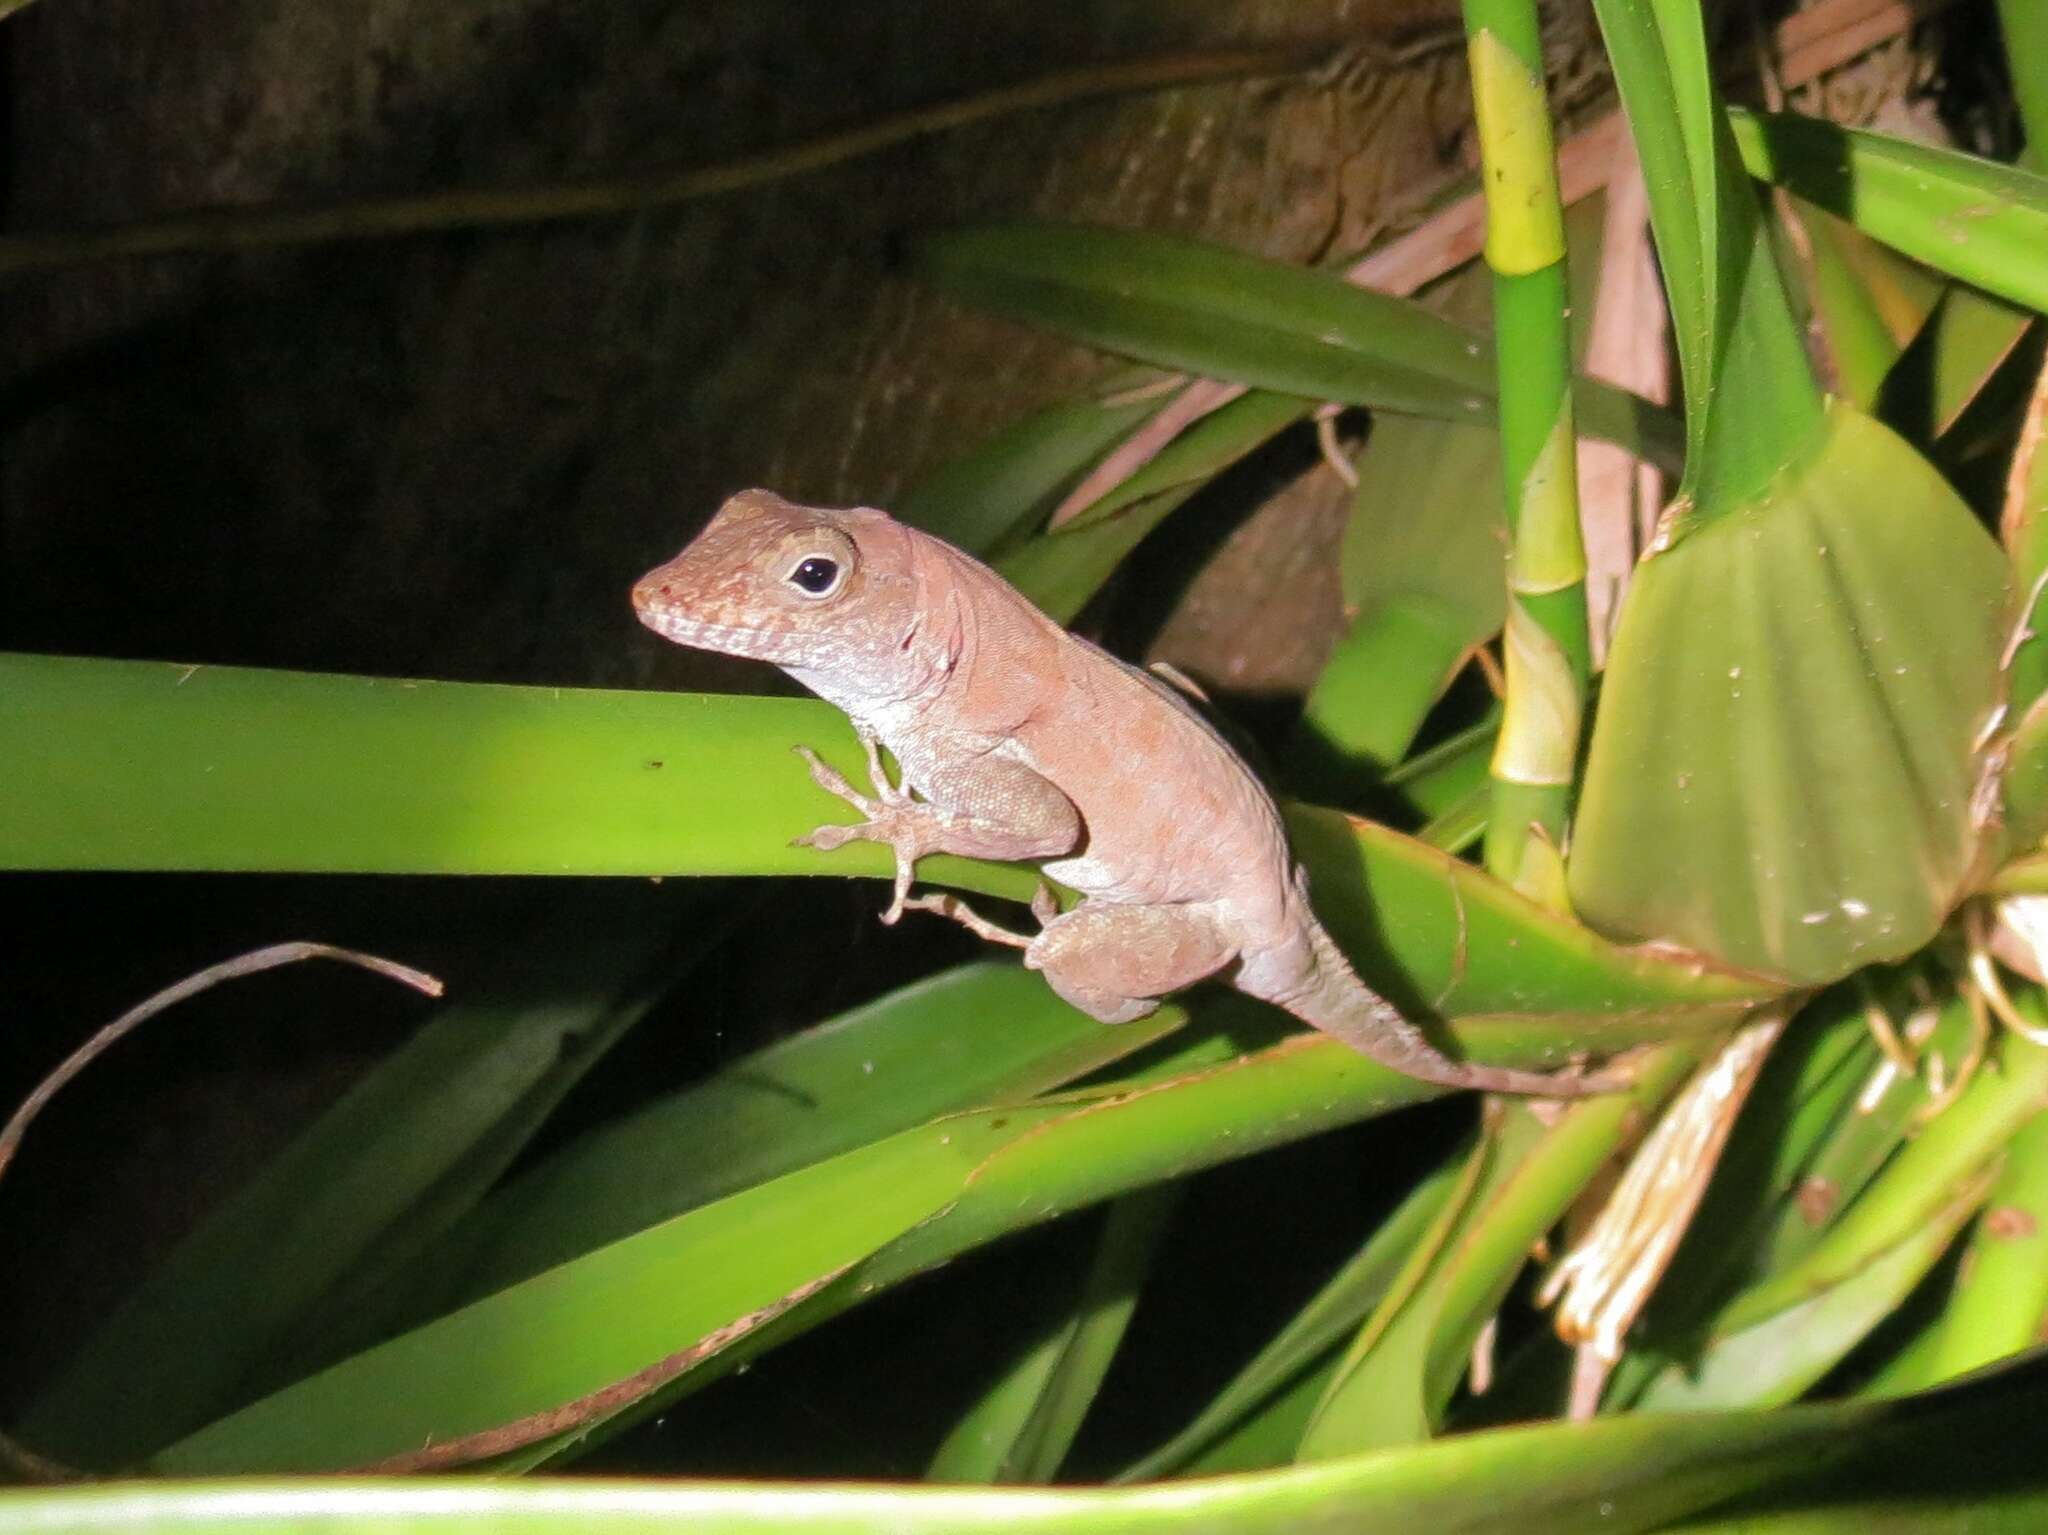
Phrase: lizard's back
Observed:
(1172, 813)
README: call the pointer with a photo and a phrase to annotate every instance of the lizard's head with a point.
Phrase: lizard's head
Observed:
(802, 586)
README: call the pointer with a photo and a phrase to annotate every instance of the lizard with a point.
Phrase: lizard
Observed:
(1017, 740)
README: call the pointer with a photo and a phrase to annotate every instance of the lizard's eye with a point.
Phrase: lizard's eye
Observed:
(816, 576)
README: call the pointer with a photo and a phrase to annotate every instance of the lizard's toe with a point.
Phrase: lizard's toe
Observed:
(826, 839)
(829, 778)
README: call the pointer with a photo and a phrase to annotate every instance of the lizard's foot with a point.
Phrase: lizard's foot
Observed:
(893, 817)
(946, 905)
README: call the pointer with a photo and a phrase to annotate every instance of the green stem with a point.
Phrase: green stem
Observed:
(1548, 656)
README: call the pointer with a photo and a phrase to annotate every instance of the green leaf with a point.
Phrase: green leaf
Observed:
(1204, 309)
(978, 1035)
(1803, 1097)
(1445, 776)
(1450, 939)
(1858, 1147)
(374, 1179)
(2025, 26)
(1310, 1336)
(1267, 1434)
(2000, 1297)
(1789, 715)
(1777, 1359)
(1003, 487)
(608, 1316)
(1751, 402)
(1410, 1357)
(1062, 569)
(1946, 367)
(674, 1293)
(146, 765)
(1871, 304)
(1913, 1189)
(1976, 220)
(1022, 1428)
(1943, 1454)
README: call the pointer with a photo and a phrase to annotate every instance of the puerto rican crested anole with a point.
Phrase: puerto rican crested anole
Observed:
(1018, 740)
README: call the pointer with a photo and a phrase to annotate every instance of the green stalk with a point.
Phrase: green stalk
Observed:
(1549, 658)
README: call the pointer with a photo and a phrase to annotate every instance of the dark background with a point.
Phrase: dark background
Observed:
(448, 456)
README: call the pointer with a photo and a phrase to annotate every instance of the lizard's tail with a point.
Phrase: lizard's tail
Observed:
(1337, 1002)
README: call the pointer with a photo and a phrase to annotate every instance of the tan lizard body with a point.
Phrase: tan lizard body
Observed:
(1022, 741)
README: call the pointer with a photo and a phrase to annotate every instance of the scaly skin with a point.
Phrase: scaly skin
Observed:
(1019, 741)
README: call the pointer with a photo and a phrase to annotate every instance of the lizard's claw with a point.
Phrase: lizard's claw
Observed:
(826, 838)
(906, 862)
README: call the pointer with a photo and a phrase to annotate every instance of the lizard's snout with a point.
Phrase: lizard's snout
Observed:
(656, 600)
(655, 590)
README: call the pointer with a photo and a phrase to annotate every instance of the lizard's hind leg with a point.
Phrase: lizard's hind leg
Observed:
(944, 904)
(1045, 907)
(1115, 962)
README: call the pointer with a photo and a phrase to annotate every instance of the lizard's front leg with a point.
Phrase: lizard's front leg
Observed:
(984, 807)
(892, 818)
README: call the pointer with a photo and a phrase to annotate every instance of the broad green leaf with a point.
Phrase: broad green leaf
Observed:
(1974, 219)
(1204, 309)
(1945, 1454)
(1789, 716)
(999, 490)
(1751, 402)
(1312, 1334)
(978, 1035)
(372, 1181)
(1022, 1428)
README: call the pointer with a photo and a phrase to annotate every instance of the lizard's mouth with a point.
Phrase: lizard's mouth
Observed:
(700, 634)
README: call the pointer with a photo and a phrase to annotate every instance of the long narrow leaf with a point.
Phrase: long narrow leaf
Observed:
(397, 1159)
(1622, 1476)
(1202, 308)
(1974, 219)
